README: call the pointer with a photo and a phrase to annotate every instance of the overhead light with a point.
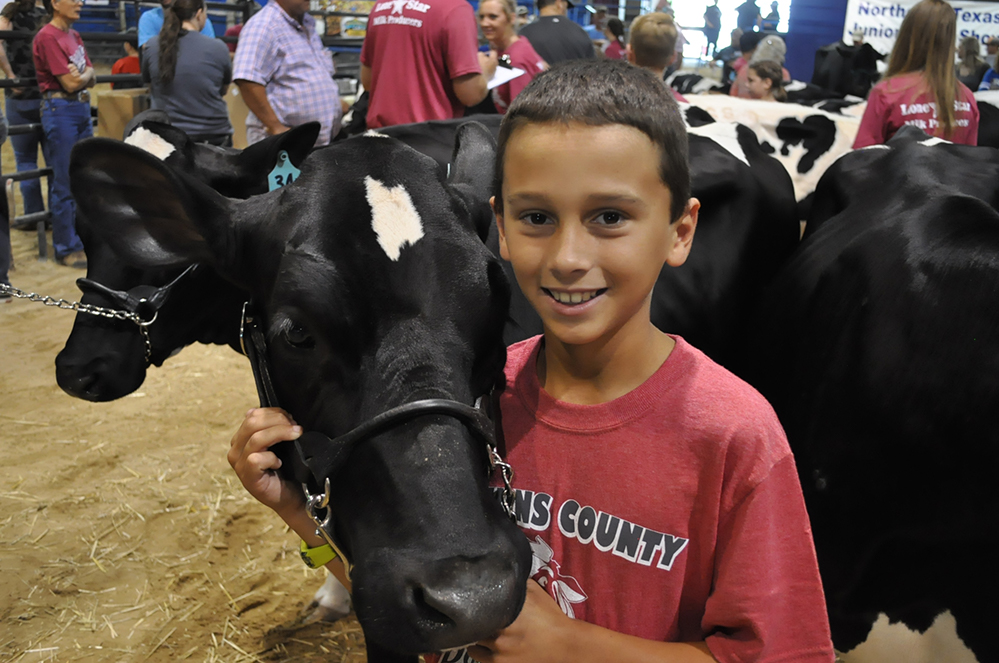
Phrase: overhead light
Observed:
(591, 9)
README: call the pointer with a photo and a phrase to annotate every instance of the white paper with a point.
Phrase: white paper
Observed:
(504, 75)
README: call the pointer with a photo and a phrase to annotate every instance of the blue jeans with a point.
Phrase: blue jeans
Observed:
(27, 111)
(65, 122)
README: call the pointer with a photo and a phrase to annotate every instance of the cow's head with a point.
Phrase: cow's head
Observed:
(375, 290)
(105, 358)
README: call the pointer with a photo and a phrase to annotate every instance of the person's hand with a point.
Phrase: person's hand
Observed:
(276, 129)
(488, 62)
(254, 463)
(73, 70)
(534, 636)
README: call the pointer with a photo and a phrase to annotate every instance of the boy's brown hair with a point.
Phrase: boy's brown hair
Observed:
(653, 40)
(599, 93)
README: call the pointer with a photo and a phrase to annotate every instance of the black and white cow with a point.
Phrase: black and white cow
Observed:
(375, 290)
(878, 346)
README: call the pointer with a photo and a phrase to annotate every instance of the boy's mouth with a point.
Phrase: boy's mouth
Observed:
(574, 298)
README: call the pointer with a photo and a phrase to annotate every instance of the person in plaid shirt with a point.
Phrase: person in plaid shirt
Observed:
(284, 73)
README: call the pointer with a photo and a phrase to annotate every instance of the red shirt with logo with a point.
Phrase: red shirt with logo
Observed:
(907, 100)
(672, 513)
(522, 56)
(53, 50)
(414, 49)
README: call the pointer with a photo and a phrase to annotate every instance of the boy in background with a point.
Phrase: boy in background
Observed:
(666, 518)
(652, 45)
(130, 63)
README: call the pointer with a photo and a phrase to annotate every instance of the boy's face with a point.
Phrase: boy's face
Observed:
(586, 226)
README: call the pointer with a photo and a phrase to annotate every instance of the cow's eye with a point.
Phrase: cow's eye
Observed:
(297, 337)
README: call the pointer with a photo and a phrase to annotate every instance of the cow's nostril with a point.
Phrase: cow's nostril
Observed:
(436, 610)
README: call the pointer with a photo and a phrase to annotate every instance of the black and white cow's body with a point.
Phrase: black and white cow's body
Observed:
(805, 140)
(879, 348)
(988, 118)
(375, 290)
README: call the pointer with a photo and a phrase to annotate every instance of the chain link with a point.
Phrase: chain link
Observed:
(80, 307)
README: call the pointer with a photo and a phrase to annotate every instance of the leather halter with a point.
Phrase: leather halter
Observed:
(314, 458)
(143, 301)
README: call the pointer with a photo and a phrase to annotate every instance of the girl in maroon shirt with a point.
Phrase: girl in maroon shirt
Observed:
(920, 87)
(496, 18)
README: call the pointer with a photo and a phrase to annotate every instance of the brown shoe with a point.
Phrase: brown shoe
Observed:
(77, 259)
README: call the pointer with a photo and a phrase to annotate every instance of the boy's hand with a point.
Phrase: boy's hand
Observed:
(254, 463)
(536, 635)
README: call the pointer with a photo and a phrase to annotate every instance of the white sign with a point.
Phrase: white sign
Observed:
(881, 19)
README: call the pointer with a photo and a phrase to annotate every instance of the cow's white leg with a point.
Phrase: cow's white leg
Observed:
(330, 603)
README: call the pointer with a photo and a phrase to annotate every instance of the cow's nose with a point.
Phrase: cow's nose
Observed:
(477, 598)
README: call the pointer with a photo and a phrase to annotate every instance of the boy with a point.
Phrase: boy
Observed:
(652, 45)
(665, 511)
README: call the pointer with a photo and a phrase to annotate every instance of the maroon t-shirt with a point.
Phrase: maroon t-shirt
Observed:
(522, 56)
(672, 513)
(414, 49)
(907, 100)
(53, 50)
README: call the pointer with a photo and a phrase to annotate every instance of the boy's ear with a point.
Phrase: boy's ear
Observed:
(500, 229)
(683, 237)
(629, 54)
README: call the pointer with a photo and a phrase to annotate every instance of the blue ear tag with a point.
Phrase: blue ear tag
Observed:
(284, 172)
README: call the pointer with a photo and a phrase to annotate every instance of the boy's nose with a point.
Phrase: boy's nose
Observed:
(572, 250)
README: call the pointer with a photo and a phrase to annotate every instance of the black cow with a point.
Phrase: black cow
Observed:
(879, 348)
(105, 359)
(375, 291)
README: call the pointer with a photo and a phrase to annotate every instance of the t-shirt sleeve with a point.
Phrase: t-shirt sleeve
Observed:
(209, 30)
(461, 53)
(875, 120)
(767, 603)
(987, 79)
(49, 55)
(255, 61)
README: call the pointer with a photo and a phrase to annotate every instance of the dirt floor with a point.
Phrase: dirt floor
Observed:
(124, 535)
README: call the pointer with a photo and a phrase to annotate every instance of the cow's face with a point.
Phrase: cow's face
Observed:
(105, 358)
(376, 290)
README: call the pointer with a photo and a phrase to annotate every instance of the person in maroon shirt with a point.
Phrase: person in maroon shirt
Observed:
(64, 73)
(497, 19)
(920, 87)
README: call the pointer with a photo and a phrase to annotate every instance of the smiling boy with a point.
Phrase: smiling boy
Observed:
(658, 490)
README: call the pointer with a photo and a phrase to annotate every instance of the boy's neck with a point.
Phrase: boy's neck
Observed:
(602, 371)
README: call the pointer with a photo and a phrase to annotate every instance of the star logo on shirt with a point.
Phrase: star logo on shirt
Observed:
(397, 6)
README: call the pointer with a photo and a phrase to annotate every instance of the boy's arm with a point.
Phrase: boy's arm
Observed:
(542, 633)
(255, 465)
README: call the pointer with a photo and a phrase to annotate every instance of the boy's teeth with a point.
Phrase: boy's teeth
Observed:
(573, 297)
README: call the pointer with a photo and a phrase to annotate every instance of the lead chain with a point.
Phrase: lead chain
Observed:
(90, 309)
(509, 497)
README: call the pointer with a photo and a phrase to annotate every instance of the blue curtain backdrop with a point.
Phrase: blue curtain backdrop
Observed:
(812, 25)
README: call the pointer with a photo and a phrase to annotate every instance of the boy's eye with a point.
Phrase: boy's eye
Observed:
(536, 218)
(609, 218)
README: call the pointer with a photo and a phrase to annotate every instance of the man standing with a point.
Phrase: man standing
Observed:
(712, 27)
(595, 30)
(284, 73)
(991, 48)
(749, 16)
(420, 61)
(151, 22)
(554, 36)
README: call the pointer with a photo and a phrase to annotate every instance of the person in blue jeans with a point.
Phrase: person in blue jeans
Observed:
(23, 104)
(64, 73)
(5, 252)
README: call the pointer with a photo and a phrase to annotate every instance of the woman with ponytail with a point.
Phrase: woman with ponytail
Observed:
(189, 74)
(920, 88)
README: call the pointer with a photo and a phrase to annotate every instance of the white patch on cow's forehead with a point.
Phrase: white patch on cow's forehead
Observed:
(393, 217)
(930, 142)
(725, 134)
(872, 147)
(145, 139)
(371, 133)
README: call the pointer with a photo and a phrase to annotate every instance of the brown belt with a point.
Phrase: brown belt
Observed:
(80, 95)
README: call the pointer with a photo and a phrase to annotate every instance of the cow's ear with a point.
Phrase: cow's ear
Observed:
(472, 165)
(298, 142)
(150, 214)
